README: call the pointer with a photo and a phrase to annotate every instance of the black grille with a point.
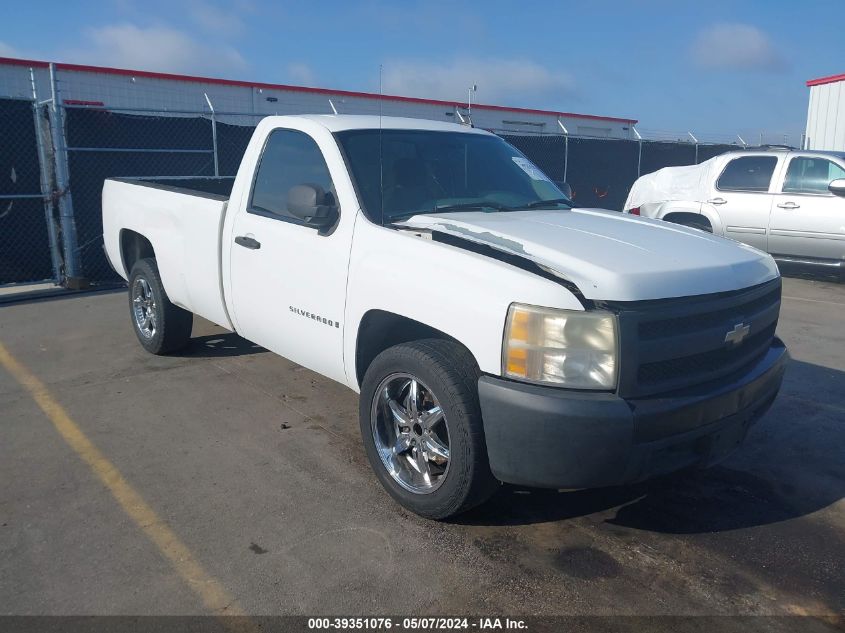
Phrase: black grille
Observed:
(684, 324)
(678, 343)
(712, 362)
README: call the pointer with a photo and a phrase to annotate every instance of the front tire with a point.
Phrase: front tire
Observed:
(422, 430)
(161, 326)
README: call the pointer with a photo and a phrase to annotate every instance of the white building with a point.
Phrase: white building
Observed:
(826, 114)
(116, 88)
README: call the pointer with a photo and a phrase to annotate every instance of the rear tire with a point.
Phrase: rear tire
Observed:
(161, 326)
(409, 459)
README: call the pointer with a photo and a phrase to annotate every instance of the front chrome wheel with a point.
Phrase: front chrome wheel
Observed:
(411, 433)
(144, 308)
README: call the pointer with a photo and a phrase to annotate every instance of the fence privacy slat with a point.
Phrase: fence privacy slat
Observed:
(24, 244)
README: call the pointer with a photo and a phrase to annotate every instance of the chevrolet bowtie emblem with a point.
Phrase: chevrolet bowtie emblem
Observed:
(736, 335)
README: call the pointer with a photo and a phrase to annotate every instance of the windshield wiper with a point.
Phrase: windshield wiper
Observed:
(537, 204)
(471, 205)
(449, 208)
(481, 205)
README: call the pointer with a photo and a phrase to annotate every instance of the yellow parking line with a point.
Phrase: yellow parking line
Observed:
(211, 592)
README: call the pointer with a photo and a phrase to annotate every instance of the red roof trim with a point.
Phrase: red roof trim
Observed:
(825, 80)
(23, 62)
(325, 91)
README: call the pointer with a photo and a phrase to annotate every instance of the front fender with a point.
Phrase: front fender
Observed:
(463, 294)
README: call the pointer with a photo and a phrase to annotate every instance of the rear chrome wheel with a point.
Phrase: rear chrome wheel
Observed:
(144, 307)
(411, 433)
(160, 326)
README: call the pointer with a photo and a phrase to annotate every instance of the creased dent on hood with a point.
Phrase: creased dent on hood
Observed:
(483, 237)
(497, 242)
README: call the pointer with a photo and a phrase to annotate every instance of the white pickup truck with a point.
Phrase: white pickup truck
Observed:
(494, 333)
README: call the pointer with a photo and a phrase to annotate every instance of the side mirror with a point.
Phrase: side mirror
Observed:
(837, 187)
(565, 188)
(312, 205)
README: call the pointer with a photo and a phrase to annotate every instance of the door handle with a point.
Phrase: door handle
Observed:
(717, 201)
(247, 242)
(789, 205)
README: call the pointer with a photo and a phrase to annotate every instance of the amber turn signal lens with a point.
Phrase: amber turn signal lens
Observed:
(572, 348)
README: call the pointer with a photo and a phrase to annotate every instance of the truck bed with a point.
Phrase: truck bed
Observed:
(183, 220)
(216, 188)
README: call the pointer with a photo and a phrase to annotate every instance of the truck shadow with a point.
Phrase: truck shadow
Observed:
(219, 345)
(790, 466)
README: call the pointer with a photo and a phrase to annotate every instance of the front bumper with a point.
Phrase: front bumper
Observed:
(555, 438)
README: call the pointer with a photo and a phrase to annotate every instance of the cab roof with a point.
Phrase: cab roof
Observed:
(787, 150)
(342, 122)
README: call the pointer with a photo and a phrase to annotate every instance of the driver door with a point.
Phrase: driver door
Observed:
(288, 282)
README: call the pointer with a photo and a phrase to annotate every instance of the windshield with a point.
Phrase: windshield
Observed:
(428, 171)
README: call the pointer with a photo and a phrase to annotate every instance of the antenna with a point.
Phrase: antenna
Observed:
(380, 150)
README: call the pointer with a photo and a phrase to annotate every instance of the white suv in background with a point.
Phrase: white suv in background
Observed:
(788, 203)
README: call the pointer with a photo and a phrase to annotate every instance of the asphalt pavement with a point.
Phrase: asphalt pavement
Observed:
(252, 492)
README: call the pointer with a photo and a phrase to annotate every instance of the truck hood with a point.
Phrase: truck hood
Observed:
(612, 256)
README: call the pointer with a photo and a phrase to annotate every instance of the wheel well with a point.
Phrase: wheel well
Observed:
(379, 330)
(684, 217)
(134, 246)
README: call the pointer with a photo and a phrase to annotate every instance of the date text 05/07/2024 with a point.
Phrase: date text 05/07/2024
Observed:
(414, 624)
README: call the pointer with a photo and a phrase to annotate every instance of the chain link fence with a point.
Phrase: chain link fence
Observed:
(96, 143)
(602, 170)
(27, 224)
(105, 144)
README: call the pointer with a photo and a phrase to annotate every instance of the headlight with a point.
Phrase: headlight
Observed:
(572, 348)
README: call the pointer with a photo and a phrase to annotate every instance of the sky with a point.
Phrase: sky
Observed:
(715, 68)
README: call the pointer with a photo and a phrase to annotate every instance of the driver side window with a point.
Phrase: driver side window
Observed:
(290, 158)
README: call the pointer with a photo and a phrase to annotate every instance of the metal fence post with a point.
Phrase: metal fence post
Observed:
(73, 270)
(565, 157)
(46, 179)
(213, 134)
(694, 140)
(565, 148)
(639, 151)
